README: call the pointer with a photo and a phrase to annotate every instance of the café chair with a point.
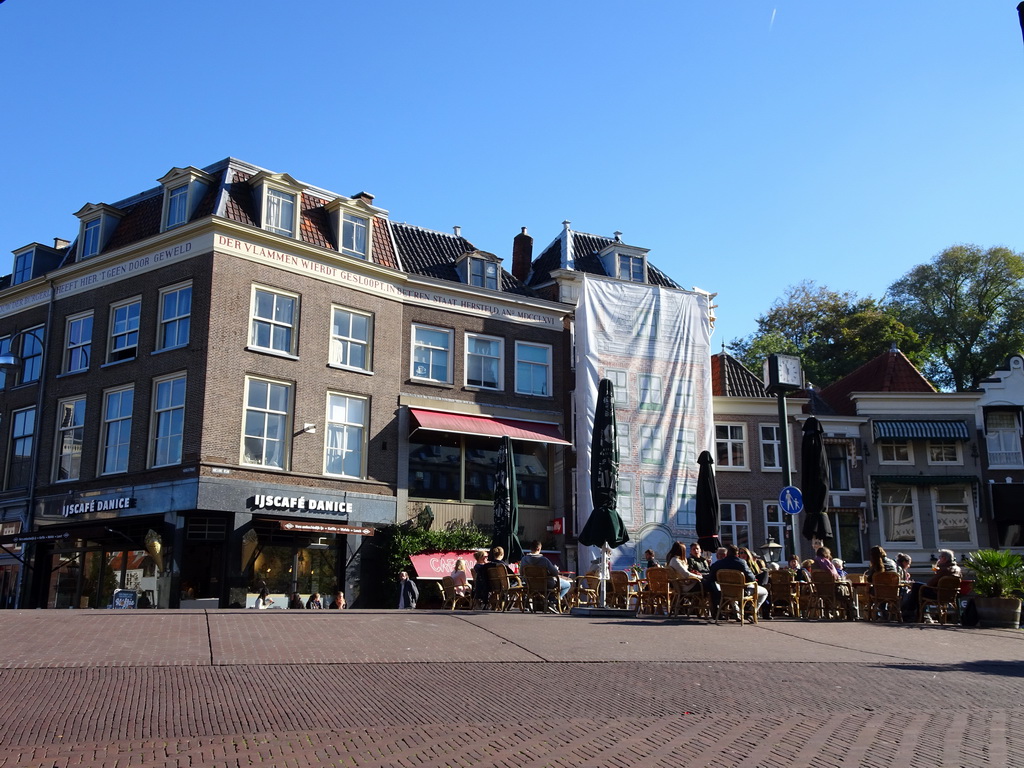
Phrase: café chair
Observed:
(735, 597)
(586, 591)
(884, 599)
(623, 591)
(831, 600)
(692, 602)
(783, 594)
(453, 599)
(946, 600)
(539, 594)
(504, 594)
(657, 598)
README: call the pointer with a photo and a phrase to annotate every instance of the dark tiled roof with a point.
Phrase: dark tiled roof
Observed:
(383, 247)
(239, 205)
(314, 227)
(585, 248)
(140, 221)
(889, 372)
(434, 254)
(730, 378)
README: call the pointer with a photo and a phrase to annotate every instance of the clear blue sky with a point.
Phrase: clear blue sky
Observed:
(749, 144)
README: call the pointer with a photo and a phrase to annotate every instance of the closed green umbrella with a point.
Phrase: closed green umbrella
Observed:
(506, 504)
(815, 478)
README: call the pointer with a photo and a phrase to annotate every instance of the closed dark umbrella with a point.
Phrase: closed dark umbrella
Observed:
(506, 504)
(604, 526)
(708, 513)
(815, 479)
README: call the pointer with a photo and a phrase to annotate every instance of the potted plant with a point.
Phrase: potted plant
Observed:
(998, 574)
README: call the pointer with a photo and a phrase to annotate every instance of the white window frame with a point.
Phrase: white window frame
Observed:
(78, 343)
(619, 377)
(891, 446)
(167, 420)
(484, 273)
(116, 430)
(652, 445)
(686, 447)
(340, 422)
(625, 440)
(944, 445)
(522, 366)
(968, 511)
(91, 231)
(67, 458)
(773, 443)
(629, 264)
(777, 528)
(685, 507)
(1002, 436)
(650, 393)
(343, 344)
(123, 334)
(886, 504)
(273, 324)
(177, 206)
(730, 523)
(350, 228)
(682, 393)
(499, 360)
(270, 416)
(655, 498)
(730, 440)
(275, 213)
(180, 321)
(22, 445)
(423, 370)
(22, 271)
(624, 498)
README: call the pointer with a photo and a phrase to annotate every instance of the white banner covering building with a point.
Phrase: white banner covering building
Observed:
(654, 344)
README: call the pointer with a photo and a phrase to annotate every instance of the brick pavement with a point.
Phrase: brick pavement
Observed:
(375, 688)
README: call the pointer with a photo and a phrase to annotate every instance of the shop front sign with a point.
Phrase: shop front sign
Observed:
(98, 505)
(297, 525)
(300, 504)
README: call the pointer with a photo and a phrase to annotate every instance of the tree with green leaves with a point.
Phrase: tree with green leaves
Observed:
(834, 333)
(968, 305)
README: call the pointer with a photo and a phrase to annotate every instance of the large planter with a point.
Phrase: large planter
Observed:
(1002, 612)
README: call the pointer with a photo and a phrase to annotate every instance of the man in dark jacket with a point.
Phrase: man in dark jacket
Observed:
(408, 592)
(733, 562)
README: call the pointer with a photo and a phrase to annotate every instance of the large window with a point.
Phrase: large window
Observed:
(78, 343)
(267, 419)
(483, 274)
(19, 466)
(775, 526)
(620, 385)
(353, 236)
(463, 468)
(32, 354)
(899, 516)
(117, 430)
(124, 331)
(91, 239)
(431, 354)
(1002, 435)
(484, 361)
(944, 452)
(624, 498)
(650, 392)
(735, 524)
(274, 320)
(624, 437)
(5, 348)
(346, 435)
(847, 540)
(655, 497)
(652, 445)
(953, 515)
(168, 420)
(280, 212)
(533, 369)
(70, 437)
(838, 466)
(631, 268)
(895, 452)
(177, 206)
(771, 447)
(351, 339)
(175, 316)
(686, 447)
(22, 267)
(730, 446)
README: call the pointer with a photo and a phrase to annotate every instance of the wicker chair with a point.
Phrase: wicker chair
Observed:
(691, 602)
(504, 594)
(539, 594)
(657, 598)
(622, 591)
(735, 597)
(884, 600)
(783, 593)
(586, 590)
(946, 600)
(453, 599)
(831, 600)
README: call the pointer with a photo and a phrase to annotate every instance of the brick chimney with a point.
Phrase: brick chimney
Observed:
(522, 255)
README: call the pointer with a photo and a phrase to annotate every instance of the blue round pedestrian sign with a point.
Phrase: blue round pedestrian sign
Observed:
(791, 500)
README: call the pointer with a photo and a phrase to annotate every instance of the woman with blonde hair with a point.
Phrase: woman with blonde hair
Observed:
(880, 562)
(461, 578)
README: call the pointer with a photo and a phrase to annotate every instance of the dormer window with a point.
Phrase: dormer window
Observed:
(23, 267)
(353, 235)
(625, 262)
(98, 223)
(280, 198)
(183, 189)
(631, 268)
(483, 274)
(33, 260)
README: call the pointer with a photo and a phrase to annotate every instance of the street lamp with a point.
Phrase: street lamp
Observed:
(771, 550)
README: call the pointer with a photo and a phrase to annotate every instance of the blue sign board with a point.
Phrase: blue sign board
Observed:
(791, 500)
(125, 598)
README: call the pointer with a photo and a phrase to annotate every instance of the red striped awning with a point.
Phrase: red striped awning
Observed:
(462, 424)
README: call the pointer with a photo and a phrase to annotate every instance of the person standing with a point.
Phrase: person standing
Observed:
(408, 592)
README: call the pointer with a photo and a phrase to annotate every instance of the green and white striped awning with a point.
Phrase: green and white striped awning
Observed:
(921, 430)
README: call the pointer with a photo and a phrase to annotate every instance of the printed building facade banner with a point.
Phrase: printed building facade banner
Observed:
(654, 344)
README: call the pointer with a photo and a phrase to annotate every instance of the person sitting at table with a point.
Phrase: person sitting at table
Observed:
(481, 584)
(760, 574)
(823, 561)
(803, 573)
(946, 566)
(534, 557)
(652, 560)
(880, 562)
(840, 567)
(733, 562)
(460, 577)
(676, 562)
(696, 562)
(903, 569)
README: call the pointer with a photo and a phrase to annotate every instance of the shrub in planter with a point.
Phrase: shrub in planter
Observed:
(998, 578)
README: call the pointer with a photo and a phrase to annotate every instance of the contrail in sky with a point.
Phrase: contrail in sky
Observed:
(772, 22)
